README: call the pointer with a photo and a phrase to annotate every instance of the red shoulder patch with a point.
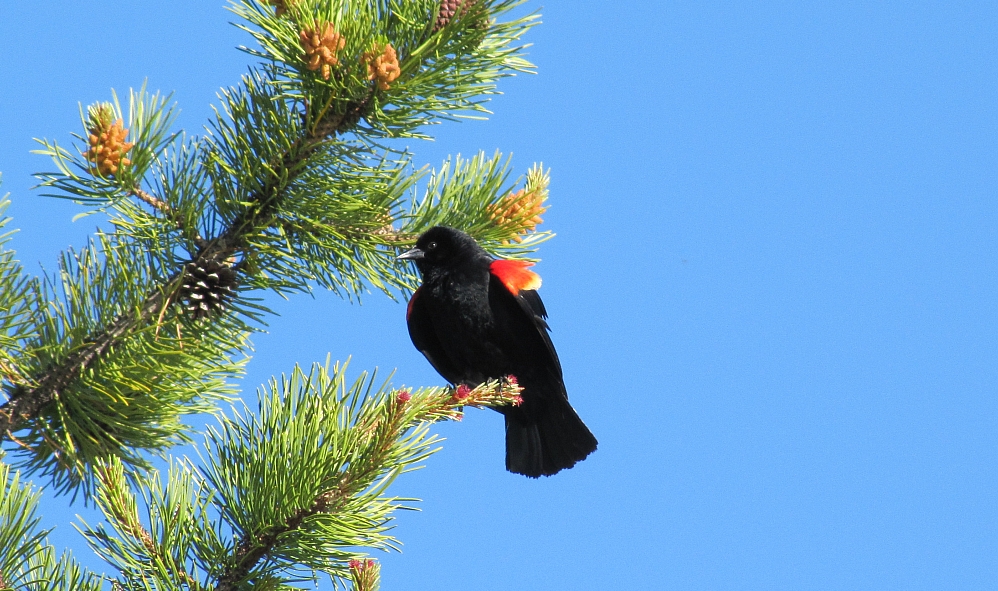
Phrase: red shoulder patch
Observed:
(515, 275)
(408, 308)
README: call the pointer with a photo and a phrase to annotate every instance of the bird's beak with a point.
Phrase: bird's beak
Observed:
(411, 255)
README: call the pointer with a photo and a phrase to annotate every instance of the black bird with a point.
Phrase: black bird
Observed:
(477, 318)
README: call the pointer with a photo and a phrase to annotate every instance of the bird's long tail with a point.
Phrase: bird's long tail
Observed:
(546, 438)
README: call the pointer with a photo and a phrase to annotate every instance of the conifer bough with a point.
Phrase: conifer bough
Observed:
(296, 185)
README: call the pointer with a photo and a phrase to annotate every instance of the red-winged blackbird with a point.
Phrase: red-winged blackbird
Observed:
(476, 318)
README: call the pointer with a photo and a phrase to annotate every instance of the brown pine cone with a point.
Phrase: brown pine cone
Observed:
(208, 285)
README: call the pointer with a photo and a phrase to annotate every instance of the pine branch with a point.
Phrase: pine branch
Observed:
(165, 209)
(15, 307)
(28, 400)
(27, 561)
(354, 480)
(475, 194)
(25, 403)
(385, 436)
(118, 502)
(295, 488)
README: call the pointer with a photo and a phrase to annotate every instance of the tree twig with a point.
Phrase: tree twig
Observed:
(164, 208)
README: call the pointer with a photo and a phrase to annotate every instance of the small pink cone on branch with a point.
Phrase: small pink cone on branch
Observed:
(366, 574)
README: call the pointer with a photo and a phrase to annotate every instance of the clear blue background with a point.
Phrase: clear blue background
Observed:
(773, 287)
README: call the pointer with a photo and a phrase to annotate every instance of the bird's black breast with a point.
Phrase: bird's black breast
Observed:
(463, 340)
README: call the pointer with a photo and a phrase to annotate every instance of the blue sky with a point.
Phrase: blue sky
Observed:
(773, 287)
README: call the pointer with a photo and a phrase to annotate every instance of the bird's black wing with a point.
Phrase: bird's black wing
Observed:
(522, 316)
(424, 337)
(533, 300)
(544, 434)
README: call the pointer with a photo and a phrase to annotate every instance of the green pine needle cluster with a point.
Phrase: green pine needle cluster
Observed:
(287, 492)
(17, 298)
(294, 184)
(26, 560)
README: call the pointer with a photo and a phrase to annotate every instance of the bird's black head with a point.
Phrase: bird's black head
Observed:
(441, 247)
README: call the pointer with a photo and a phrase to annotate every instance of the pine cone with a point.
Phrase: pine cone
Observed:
(208, 284)
(382, 65)
(107, 144)
(321, 44)
(450, 8)
(521, 208)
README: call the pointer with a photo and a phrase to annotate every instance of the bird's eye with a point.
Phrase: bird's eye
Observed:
(431, 246)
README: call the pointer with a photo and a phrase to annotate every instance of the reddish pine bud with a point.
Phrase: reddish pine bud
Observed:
(361, 565)
(512, 380)
(404, 397)
(517, 400)
(462, 392)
